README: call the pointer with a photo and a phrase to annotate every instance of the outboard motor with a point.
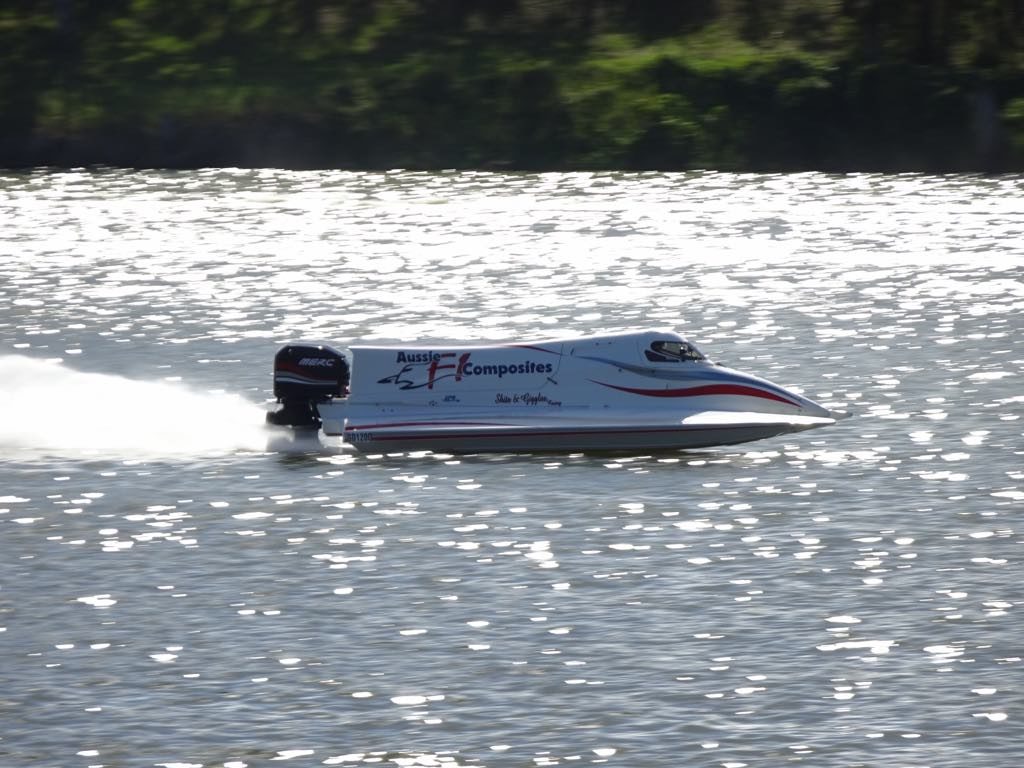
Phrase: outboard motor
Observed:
(305, 375)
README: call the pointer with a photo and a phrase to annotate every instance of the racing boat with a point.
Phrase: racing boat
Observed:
(646, 390)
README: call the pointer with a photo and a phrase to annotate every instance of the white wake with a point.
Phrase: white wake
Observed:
(48, 409)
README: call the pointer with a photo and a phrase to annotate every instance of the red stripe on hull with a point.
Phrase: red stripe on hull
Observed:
(708, 389)
(390, 424)
(548, 433)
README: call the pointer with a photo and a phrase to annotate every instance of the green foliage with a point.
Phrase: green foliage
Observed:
(1013, 118)
(739, 84)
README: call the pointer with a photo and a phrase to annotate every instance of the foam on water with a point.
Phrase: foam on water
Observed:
(48, 409)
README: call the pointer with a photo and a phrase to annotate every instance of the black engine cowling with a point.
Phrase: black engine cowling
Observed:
(305, 375)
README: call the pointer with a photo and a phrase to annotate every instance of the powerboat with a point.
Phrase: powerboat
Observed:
(641, 390)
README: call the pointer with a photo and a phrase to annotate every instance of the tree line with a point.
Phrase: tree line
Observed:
(834, 85)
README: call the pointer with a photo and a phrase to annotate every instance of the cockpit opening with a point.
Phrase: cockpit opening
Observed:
(673, 352)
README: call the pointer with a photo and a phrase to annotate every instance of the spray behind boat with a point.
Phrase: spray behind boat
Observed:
(305, 375)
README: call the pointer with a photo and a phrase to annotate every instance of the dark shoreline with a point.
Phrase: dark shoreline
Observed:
(556, 85)
(974, 138)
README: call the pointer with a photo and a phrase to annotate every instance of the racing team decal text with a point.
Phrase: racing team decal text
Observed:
(448, 365)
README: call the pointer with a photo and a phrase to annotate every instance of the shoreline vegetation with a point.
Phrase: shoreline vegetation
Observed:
(930, 86)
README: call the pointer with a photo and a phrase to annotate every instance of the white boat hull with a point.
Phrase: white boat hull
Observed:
(468, 436)
(648, 390)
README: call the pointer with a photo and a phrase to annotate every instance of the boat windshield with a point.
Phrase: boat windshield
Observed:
(673, 352)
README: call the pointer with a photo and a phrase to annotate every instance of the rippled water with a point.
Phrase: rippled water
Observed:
(179, 588)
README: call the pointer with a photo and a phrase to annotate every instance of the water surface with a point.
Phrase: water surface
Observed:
(179, 588)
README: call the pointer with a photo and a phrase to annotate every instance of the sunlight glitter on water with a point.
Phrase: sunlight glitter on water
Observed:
(832, 599)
